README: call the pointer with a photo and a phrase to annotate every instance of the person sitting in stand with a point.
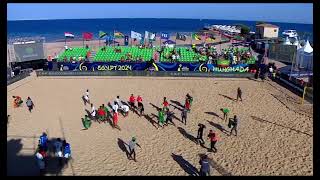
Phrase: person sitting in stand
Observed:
(173, 58)
(178, 57)
(140, 59)
(167, 55)
(122, 59)
(210, 60)
(117, 50)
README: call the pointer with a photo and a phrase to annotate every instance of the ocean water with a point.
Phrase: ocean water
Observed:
(53, 30)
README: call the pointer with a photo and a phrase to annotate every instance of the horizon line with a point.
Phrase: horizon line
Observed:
(158, 18)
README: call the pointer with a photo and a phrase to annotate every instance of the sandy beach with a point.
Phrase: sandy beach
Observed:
(275, 134)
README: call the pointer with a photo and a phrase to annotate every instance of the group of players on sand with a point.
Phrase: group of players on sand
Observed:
(103, 114)
(165, 116)
(62, 148)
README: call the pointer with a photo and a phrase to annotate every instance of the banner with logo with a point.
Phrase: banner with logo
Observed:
(131, 66)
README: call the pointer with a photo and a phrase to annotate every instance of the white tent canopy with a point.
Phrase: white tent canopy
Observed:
(304, 57)
(307, 48)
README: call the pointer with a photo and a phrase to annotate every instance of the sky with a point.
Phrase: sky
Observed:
(272, 12)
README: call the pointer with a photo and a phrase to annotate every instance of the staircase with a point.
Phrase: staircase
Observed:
(11, 55)
(92, 55)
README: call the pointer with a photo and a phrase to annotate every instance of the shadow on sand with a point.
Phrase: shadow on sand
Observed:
(176, 107)
(150, 119)
(154, 106)
(26, 165)
(217, 167)
(218, 126)
(122, 145)
(230, 98)
(177, 103)
(187, 135)
(185, 165)
(214, 114)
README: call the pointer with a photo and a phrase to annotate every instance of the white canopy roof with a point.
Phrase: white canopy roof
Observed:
(307, 48)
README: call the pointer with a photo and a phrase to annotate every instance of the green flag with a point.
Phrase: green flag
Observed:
(102, 34)
(195, 36)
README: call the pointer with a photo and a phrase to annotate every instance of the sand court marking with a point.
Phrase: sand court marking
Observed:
(263, 120)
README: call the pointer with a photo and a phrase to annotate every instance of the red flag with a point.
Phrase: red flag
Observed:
(87, 36)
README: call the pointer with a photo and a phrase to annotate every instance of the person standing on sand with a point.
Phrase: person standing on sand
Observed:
(165, 104)
(115, 106)
(101, 114)
(200, 134)
(115, 119)
(205, 166)
(93, 112)
(29, 104)
(132, 151)
(187, 105)
(169, 118)
(190, 99)
(213, 140)
(141, 108)
(225, 113)
(58, 150)
(140, 105)
(108, 114)
(239, 94)
(86, 122)
(234, 125)
(66, 150)
(161, 117)
(132, 100)
(118, 100)
(86, 97)
(184, 113)
(41, 155)
(43, 141)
